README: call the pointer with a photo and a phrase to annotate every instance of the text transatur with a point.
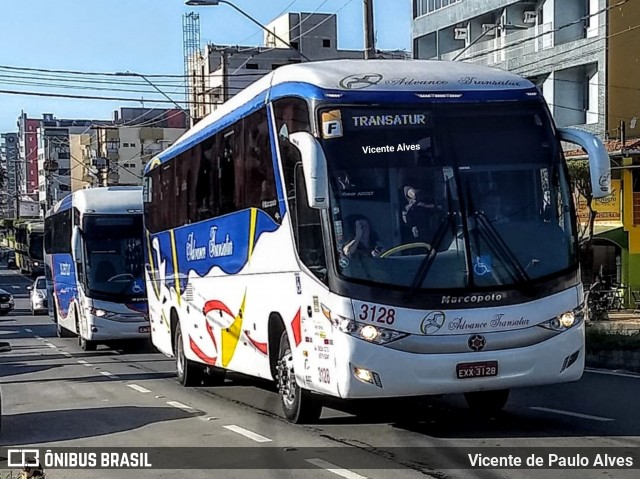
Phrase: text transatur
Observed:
(390, 120)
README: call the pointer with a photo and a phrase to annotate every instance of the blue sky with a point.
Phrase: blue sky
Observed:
(145, 36)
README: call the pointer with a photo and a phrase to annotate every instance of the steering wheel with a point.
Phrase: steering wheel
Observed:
(403, 247)
(123, 276)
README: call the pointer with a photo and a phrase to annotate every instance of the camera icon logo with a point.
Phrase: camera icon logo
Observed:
(23, 458)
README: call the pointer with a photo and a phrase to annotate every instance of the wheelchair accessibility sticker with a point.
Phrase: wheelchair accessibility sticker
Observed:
(482, 265)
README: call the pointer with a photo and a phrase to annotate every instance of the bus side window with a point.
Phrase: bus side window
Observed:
(259, 181)
(226, 173)
(308, 231)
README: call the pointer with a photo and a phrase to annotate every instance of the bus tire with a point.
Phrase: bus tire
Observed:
(487, 402)
(214, 376)
(86, 345)
(189, 373)
(298, 404)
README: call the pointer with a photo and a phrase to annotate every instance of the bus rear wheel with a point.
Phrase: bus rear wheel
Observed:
(487, 402)
(189, 373)
(298, 404)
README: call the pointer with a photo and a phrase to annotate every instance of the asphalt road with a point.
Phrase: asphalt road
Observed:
(56, 395)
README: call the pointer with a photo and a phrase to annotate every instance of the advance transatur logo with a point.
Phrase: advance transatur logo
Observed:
(361, 81)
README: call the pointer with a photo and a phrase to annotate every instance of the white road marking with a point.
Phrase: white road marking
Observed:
(52, 346)
(66, 353)
(246, 433)
(140, 389)
(15, 287)
(110, 375)
(613, 373)
(574, 414)
(82, 361)
(28, 330)
(37, 337)
(335, 469)
(179, 405)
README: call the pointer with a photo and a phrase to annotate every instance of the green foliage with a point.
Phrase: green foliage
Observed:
(580, 178)
(7, 222)
(598, 340)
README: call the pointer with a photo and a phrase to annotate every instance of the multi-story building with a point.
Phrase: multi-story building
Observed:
(561, 45)
(116, 153)
(9, 157)
(55, 162)
(221, 71)
(28, 155)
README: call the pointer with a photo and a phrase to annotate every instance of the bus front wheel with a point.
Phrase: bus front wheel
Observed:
(487, 402)
(86, 345)
(298, 404)
(189, 374)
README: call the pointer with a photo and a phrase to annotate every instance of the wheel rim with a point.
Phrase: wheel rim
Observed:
(179, 356)
(287, 385)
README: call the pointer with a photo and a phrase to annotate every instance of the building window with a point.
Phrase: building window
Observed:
(430, 6)
(295, 45)
(326, 43)
(252, 66)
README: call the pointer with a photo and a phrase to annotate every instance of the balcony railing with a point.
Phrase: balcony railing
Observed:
(515, 44)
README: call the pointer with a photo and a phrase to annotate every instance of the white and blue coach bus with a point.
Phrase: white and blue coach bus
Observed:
(95, 263)
(367, 229)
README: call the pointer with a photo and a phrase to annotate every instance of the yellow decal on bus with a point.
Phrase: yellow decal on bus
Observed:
(231, 335)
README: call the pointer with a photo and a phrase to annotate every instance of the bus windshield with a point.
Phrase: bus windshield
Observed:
(36, 246)
(114, 255)
(433, 198)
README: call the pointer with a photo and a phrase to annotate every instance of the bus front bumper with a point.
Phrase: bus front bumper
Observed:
(556, 360)
(101, 329)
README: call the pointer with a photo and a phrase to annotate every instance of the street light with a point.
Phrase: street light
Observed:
(140, 75)
(498, 26)
(213, 3)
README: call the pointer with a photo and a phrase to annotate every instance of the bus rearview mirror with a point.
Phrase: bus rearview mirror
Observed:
(314, 166)
(76, 244)
(599, 163)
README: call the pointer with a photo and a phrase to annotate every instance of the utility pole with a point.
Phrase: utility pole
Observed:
(369, 31)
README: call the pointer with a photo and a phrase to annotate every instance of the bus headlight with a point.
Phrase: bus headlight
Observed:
(36, 264)
(566, 320)
(101, 313)
(369, 332)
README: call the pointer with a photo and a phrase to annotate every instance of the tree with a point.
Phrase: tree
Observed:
(580, 178)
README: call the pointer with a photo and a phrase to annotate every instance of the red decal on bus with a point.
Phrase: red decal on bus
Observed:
(198, 352)
(297, 329)
(262, 347)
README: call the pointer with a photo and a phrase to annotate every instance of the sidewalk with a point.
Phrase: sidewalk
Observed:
(619, 321)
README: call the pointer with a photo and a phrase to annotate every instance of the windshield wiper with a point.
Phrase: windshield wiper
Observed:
(425, 266)
(436, 241)
(500, 248)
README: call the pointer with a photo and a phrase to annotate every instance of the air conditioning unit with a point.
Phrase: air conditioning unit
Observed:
(459, 33)
(487, 27)
(529, 17)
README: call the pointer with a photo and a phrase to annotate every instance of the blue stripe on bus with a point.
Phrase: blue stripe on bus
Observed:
(221, 242)
(64, 281)
(308, 91)
(65, 204)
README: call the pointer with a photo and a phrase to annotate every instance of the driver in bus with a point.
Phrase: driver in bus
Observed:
(418, 214)
(364, 242)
